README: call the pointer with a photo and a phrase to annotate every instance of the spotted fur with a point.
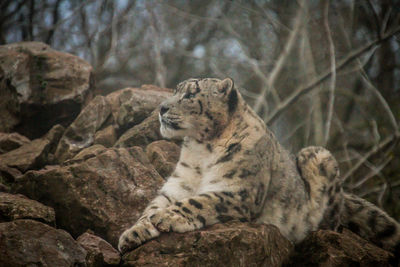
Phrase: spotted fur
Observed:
(232, 167)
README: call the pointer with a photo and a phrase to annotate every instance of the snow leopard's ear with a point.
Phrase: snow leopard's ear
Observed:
(225, 86)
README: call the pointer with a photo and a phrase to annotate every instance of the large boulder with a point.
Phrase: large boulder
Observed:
(32, 243)
(40, 87)
(99, 251)
(329, 249)
(230, 244)
(105, 193)
(81, 133)
(35, 154)
(104, 118)
(14, 207)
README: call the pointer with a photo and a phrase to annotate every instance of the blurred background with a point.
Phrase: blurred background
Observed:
(318, 72)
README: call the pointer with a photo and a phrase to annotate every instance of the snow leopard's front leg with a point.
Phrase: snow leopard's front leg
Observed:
(143, 229)
(206, 209)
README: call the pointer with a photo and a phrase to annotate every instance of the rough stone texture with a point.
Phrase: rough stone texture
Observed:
(142, 134)
(163, 155)
(328, 248)
(106, 137)
(99, 251)
(86, 153)
(32, 243)
(40, 87)
(80, 134)
(9, 104)
(106, 193)
(35, 154)
(130, 106)
(8, 176)
(230, 244)
(14, 207)
(10, 141)
(4, 188)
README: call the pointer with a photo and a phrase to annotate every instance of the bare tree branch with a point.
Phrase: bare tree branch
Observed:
(282, 58)
(344, 62)
(55, 18)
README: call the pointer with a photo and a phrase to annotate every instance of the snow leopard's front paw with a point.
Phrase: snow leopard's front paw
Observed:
(167, 220)
(133, 237)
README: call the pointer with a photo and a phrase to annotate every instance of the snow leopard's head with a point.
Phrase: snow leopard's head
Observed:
(199, 108)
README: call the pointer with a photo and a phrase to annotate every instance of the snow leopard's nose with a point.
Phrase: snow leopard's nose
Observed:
(163, 109)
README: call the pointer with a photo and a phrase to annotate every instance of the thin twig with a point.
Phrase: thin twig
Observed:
(385, 20)
(281, 59)
(333, 71)
(373, 173)
(378, 188)
(376, 18)
(384, 103)
(388, 140)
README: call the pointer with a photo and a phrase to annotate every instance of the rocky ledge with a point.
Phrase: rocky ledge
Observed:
(76, 170)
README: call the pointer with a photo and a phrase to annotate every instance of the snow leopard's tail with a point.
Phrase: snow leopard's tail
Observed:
(319, 169)
(370, 222)
(320, 173)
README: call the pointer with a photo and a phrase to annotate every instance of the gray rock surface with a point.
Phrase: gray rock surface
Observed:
(142, 134)
(14, 207)
(130, 106)
(81, 133)
(32, 243)
(230, 244)
(99, 251)
(105, 193)
(41, 87)
(329, 249)
(163, 155)
(11, 141)
(35, 154)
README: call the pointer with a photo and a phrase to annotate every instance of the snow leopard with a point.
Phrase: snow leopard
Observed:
(232, 167)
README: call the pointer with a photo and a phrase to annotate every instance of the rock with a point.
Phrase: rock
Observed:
(4, 188)
(106, 137)
(80, 134)
(99, 251)
(32, 243)
(142, 134)
(33, 155)
(10, 141)
(163, 155)
(9, 104)
(14, 207)
(328, 248)
(41, 87)
(130, 106)
(8, 176)
(105, 193)
(87, 153)
(230, 244)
